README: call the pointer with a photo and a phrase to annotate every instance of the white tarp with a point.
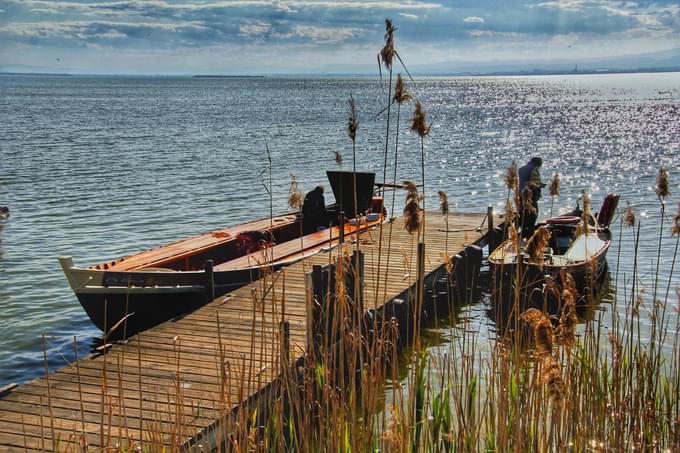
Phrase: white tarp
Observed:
(584, 247)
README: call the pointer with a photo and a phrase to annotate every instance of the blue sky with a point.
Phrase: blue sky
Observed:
(253, 36)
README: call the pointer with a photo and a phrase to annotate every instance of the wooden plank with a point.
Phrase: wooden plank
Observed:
(194, 346)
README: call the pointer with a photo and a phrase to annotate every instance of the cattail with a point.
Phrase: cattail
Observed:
(544, 336)
(443, 203)
(537, 243)
(419, 121)
(353, 121)
(527, 197)
(552, 377)
(662, 189)
(401, 93)
(412, 208)
(629, 216)
(294, 193)
(511, 176)
(555, 186)
(338, 157)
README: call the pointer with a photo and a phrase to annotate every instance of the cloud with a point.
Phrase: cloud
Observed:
(347, 27)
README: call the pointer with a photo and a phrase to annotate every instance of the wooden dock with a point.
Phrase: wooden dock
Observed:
(173, 383)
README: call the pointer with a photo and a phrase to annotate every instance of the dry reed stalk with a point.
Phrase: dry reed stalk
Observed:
(527, 198)
(662, 188)
(542, 329)
(568, 320)
(552, 377)
(412, 211)
(294, 193)
(554, 188)
(629, 216)
(511, 177)
(537, 243)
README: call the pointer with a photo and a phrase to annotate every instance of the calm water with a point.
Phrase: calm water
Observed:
(98, 167)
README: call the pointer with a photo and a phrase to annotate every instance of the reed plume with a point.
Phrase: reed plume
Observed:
(419, 121)
(568, 320)
(555, 186)
(401, 93)
(675, 229)
(443, 203)
(542, 329)
(554, 190)
(537, 243)
(386, 55)
(510, 214)
(338, 157)
(511, 177)
(662, 187)
(527, 198)
(412, 214)
(353, 121)
(629, 216)
(587, 214)
(294, 193)
(552, 378)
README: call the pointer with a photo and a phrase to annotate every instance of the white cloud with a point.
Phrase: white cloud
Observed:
(255, 29)
(409, 16)
(325, 34)
(474, 20)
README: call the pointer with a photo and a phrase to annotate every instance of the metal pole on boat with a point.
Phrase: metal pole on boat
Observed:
(209, 281)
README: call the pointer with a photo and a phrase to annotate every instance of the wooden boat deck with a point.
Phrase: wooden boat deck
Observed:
(177, 379)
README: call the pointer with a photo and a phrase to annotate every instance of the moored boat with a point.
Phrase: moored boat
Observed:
(133, 293)
(572, 249)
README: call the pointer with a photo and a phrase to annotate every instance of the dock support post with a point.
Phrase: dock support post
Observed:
(209, 287)
(420, 288)
(341, 227)
(489, 219)
(284, 330)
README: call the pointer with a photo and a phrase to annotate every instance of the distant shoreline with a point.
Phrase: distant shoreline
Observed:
(532, 72)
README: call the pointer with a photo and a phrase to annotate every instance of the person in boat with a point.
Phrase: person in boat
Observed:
(314, 214)
(530, 186)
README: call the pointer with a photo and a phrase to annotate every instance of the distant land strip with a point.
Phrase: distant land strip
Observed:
(210, 76)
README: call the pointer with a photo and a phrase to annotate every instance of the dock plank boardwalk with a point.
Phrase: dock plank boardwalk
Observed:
(174, 381)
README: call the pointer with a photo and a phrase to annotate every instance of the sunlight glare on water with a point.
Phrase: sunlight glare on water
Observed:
(100, 167)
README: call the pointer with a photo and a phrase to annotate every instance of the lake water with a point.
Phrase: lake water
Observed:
(100, 167)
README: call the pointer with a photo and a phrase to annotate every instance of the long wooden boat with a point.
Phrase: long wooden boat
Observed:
(580, 254)
(134, 293)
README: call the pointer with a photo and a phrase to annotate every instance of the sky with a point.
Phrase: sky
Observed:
(283, 36)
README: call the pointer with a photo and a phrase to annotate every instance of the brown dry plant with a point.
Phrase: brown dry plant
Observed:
(443, 203)
(629, 216)
(662, 187)
(537, 243)
(554, 188)
(401, 93)
(419, 121)
(294, 193)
